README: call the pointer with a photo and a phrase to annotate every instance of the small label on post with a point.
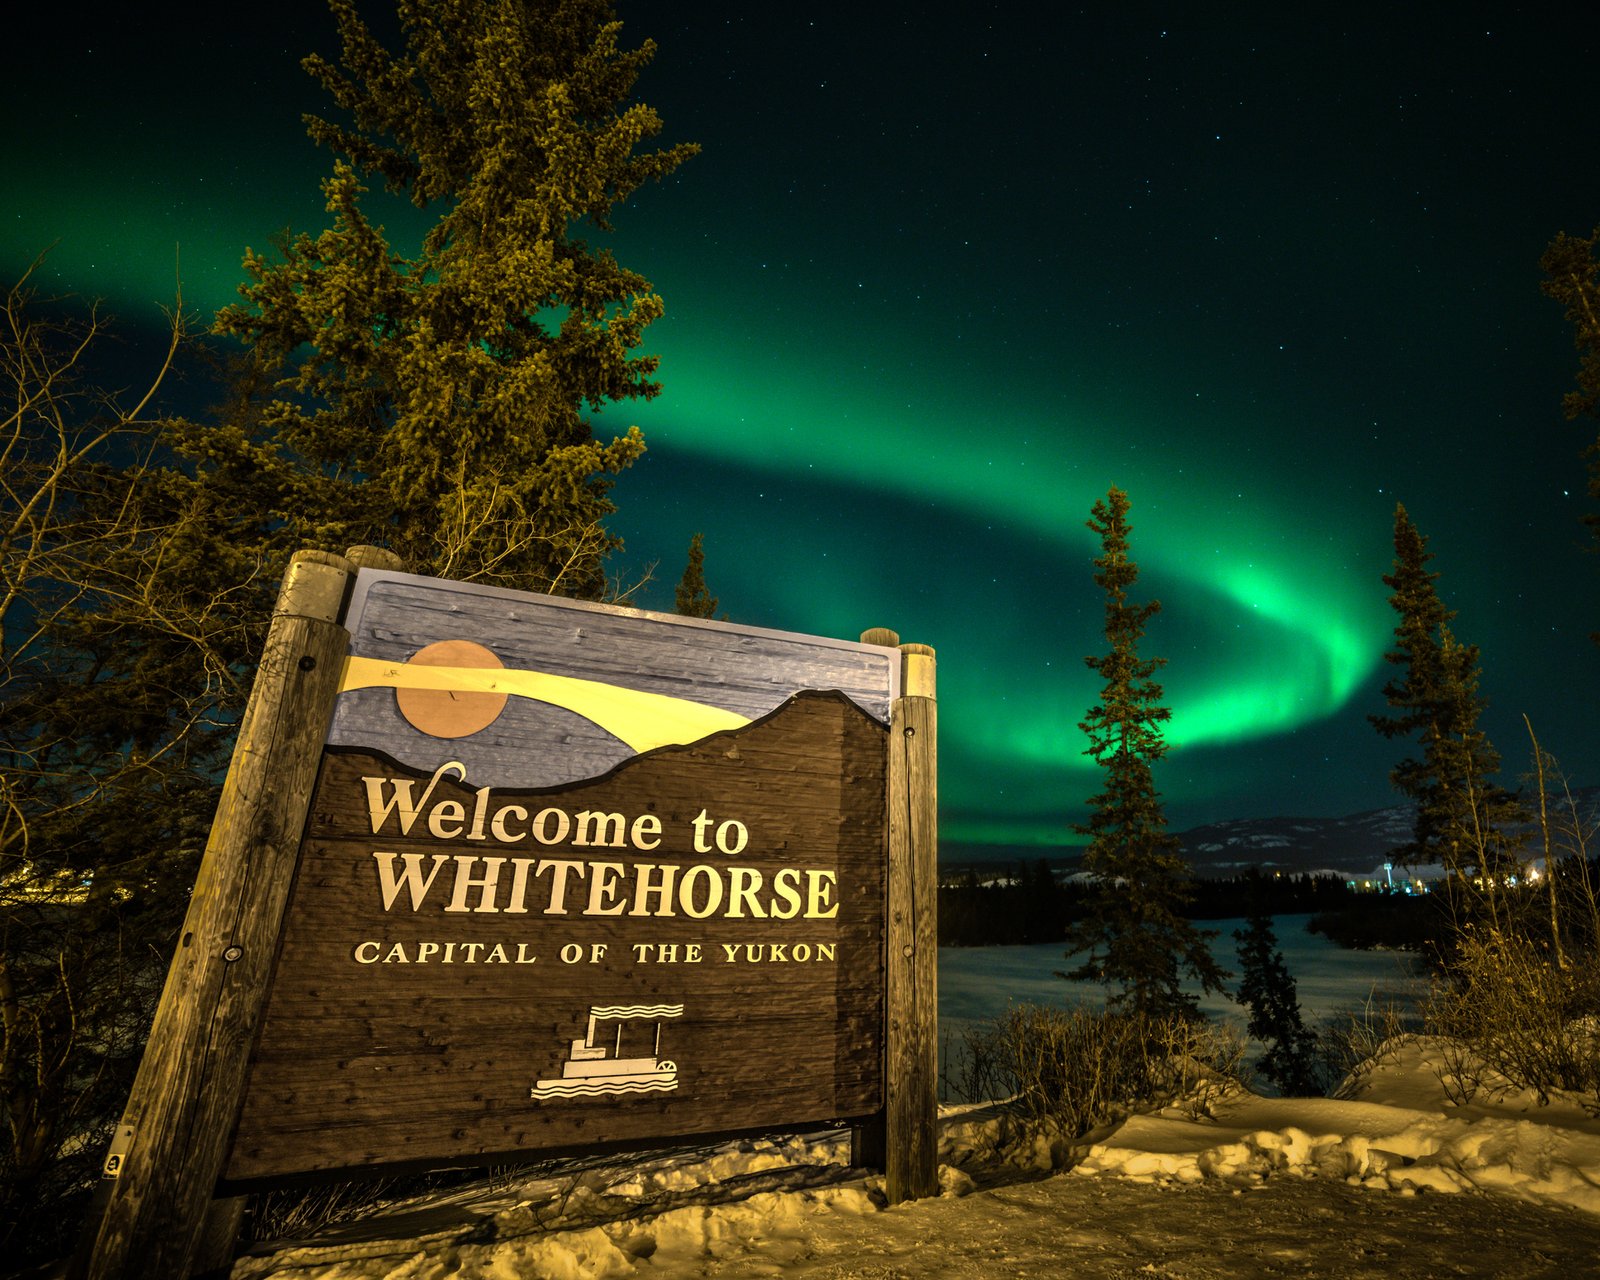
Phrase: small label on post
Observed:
(121, 1141)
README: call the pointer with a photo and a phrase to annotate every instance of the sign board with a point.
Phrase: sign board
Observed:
(572, 875)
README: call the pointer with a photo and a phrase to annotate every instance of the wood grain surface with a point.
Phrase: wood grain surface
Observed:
(368, 1064)
(748, 670)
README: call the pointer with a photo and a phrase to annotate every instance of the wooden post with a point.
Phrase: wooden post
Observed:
(911, 1083)
(365, 556)
(173, 1138)
(869, 1140)
(219, 1238)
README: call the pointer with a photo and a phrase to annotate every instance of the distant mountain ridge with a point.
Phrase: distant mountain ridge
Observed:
(1358, 844)
(1352, 845)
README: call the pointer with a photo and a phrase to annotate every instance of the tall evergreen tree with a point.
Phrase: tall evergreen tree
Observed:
(692, 599)
(1135, 933)
(1267, 989)
(437, 404)
(1465, 820)
(1572, 278)
(1478, 823)
(1412, 688)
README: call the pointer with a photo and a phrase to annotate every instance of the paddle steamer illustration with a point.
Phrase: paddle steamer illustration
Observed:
(596, 1070)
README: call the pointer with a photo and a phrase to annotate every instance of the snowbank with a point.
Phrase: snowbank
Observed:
(1394, 1131)
(1398, 1132)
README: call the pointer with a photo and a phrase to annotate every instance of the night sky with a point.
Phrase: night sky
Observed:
(937, 282)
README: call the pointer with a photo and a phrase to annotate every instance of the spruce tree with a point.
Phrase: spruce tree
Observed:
(1464, 820)
(1572, 278)
(692, 600)
(1412, 688)
(1267, 989)
(1139, 942)
(437, 404)
(1476, 822)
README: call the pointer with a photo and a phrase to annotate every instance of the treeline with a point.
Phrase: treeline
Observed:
(1275, 895)
(1424, 922)
(1393, 921)
(1030, 903)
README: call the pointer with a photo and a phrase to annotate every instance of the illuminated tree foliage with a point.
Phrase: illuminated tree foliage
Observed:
(692, 599)
(1135, 933)
(1464, 819)
(436, 404)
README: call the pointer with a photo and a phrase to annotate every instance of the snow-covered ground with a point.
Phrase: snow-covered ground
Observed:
(1398, 1131)
(1332, 1187)
(1387, 1182)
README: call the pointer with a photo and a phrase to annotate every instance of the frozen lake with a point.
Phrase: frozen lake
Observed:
(976, 983)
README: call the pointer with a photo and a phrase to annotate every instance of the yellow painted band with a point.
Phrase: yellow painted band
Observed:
(642, 720)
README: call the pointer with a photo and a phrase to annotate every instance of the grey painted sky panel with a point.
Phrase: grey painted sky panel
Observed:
(748, 670)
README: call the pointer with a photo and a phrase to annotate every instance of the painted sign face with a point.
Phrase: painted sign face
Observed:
(575, 875)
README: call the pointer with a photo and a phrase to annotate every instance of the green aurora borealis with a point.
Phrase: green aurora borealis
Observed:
(934, 286)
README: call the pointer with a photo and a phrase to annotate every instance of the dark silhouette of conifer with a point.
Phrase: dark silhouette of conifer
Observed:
(1138, 940)
(692, 600)
(1572, 278)
(1464, 819)
(1267, 989)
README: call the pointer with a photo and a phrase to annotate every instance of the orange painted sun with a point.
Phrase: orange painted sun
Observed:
(451, 713)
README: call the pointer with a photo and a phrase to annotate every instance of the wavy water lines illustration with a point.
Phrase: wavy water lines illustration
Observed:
(636, 1011)
(597, 1089)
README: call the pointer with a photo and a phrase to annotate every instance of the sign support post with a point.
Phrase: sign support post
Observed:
(911, 1075)
(171, 1142)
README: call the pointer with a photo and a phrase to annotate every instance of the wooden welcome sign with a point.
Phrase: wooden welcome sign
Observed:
(498, 874)
(571, 875)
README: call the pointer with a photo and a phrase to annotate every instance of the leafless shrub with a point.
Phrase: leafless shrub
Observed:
(1460, 1072)
(1519, 993)
(1528, 1018)
(1200, 1063)
(89, 751)
(1352, 1045)
(298, 1213)
(1068, 1071)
